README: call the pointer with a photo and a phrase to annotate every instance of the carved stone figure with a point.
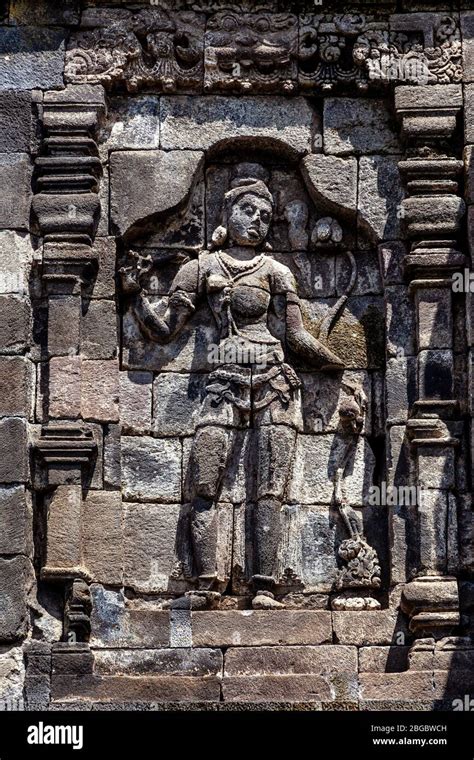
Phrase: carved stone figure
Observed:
(252, 385)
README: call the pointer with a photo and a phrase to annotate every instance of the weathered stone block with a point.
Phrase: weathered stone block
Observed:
(150, 534)
(46, 12)
(135, 689)
(115, 626)
(436, 467)
(112, 468)
(332, 182)
(64, 548)
(14, 515)
(164, 662)
(99, 330)
(435, 321)
(357, 125)
(16, 386)
(383, 659)
(314, 468)
(15, 121)
(468, 113)
(368, 278)
(132, 124)
(380, 196)
(31, 58)
(37, 691)
(12, 675)
(290, 660)
(135, 401)
(432, 215)
(391, 256)
(14, 324)
(257, 121)
(100, 390)
(183, 229)
(259, 627)
(367, 628)
(432, 517)
(384, 686)
(17, 256)
(16, 190)
(102, 536)
(75, 659)
(287, 688)
(400, 381)
(104, 284)
(469, 173)
(433, 96)
(400, 322)
(144, 173)
(64, 322)
(13, 450)
(177, 400)
(65, 387)
(435, 374)
(151, 469)
(13, 589)
(467, 33)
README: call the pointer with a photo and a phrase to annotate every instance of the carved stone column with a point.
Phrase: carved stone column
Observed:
(433, 212)
(66, 208)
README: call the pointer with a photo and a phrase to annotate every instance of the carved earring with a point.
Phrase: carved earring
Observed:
(219, 236)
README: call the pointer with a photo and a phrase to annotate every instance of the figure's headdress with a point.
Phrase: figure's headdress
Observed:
(248, 179)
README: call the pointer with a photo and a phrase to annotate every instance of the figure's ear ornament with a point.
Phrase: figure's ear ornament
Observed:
(219, 236)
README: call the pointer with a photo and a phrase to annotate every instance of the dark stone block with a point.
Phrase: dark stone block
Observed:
(13, 609)
(15, 121)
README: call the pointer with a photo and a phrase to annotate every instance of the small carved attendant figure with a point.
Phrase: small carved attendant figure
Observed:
(252, 386)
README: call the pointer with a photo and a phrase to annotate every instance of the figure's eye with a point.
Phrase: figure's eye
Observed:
(265, 217)
(248, 209)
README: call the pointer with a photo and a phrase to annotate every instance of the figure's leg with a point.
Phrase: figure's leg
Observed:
(276, 444)
(208, 462)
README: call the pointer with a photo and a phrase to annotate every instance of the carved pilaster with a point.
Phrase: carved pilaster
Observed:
(432, 213)
(66, 204)
(66, 207)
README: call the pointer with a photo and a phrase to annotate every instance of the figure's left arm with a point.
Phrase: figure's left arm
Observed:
(297, 337)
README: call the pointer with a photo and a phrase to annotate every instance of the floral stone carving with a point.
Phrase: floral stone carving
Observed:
(145, 49)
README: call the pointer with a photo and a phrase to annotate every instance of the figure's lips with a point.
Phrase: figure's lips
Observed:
(253, 232)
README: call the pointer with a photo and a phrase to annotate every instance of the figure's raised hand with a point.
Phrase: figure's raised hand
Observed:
(132, 276)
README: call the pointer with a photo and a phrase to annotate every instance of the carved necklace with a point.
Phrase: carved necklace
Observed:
(234, 268)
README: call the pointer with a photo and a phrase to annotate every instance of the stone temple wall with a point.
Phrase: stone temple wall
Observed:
(231, 481)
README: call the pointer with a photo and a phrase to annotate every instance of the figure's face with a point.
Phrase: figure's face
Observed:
(250, 220)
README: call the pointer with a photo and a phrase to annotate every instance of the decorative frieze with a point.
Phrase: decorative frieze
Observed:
(260, 51)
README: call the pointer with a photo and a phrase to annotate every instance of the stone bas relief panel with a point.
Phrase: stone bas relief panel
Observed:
(262, 385)
(228, 238)
(260, 51)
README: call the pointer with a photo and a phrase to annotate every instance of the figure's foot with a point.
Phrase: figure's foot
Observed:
(264, 600)
(195, 600)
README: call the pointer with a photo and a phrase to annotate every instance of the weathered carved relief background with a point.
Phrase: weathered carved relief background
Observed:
(235, 365)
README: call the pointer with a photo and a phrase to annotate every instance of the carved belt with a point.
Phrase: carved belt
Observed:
(282, 379)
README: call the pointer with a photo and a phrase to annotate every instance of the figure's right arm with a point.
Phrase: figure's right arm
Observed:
(181, 305)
